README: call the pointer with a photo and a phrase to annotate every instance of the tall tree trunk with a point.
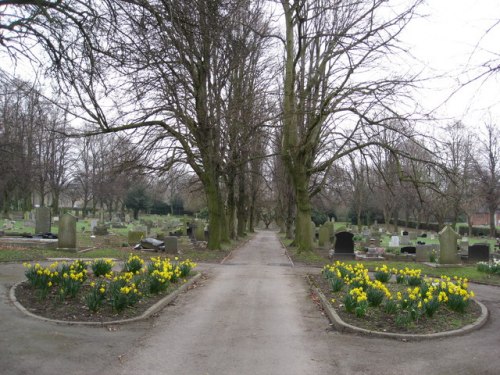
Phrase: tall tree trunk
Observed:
(231, 205)
(241, 205)
(492, 211)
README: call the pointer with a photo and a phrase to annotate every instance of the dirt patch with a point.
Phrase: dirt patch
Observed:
(76, 310)
(376, 319)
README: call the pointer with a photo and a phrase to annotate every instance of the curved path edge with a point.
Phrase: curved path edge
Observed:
(150, 311)
(342, 326)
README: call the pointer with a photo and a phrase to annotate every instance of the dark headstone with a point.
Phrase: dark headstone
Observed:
(423, 235)
(409, 250)
(479, 252)
(42, 220)
(344, 243)
(171, 245)
(405, 233)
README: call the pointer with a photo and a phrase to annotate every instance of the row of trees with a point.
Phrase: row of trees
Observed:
(413, 192)
(218, 85)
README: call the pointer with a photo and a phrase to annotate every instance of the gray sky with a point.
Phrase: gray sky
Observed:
(450, 42)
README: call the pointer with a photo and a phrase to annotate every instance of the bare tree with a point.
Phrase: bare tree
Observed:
(488, 172)
(329, 46)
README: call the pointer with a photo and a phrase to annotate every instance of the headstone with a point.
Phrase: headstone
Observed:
(423, 252)
(479, 252)
(344, 243)
(26, 216)
(408, 250)
(405, 233)
(313, 230)
(55, 220)
(324, 236)
(42, 220)
(93, 224)
(100, 229)
(67, 232)
(135, 236)
(171, 244)
(394, 242)
(448, 253)
(413, 236)
(405, 239)
(127, 218)
(199, 231)
(464, 247)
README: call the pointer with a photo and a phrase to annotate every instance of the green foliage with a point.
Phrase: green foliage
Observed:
(133, 264)
(336, 284)
(390, 306)
(350, 303)
(430, 307)
(96, 297)
(102, 267)
(375, 296)
(319, 218)
(137, 199)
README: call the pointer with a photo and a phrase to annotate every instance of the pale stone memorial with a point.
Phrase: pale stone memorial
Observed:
(324, 236)
(67, 233)
(394, 242)
(448, 253)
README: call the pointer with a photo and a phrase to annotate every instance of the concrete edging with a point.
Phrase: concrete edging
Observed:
(344, 327)
(150, 311)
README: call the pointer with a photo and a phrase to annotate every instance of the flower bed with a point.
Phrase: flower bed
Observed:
(410, 304)
(69, 291)
(492, 267)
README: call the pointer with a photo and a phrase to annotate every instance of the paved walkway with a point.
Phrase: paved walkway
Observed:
(252, 315)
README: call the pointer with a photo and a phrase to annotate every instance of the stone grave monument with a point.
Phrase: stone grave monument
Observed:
(170, 244)
(423, 252)
(479, 252)
(67, 233)
(448, 253)
(324, 236)
(135, 236)
(394, 242)
(344, 245)
(42, 220)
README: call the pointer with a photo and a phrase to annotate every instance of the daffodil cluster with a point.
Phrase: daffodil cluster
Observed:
(117, 289)
(67, 277)
(102, 267)
(383, 274)
(133, 264)
(423, 296)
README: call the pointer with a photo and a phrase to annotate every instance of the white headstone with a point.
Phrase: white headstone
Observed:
(394, 241)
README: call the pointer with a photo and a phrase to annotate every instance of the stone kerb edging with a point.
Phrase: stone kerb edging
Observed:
(342, 326)
(150, 311)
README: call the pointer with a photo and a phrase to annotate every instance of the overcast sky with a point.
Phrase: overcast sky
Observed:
(445, 41)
